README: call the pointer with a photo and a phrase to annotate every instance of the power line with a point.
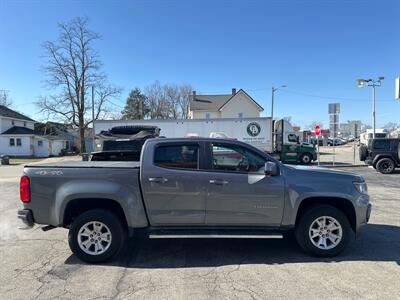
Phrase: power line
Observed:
(303, 94)
(325, 97)
(117, 105)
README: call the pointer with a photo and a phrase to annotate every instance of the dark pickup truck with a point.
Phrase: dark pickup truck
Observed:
(194, 188)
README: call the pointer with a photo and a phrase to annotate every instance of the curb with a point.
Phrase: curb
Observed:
(343, 166)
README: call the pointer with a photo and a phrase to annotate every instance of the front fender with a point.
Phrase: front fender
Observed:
(294, 200)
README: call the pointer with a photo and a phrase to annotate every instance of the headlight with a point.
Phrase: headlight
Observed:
(361, 187)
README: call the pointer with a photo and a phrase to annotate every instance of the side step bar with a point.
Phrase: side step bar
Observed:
(215, 236)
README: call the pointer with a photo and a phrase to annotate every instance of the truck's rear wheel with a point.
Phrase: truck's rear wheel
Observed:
(306, 158)
(96, 235)
(385, 166)
(323, 231)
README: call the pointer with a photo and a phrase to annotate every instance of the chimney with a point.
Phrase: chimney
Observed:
(194, 95)
(233, 91)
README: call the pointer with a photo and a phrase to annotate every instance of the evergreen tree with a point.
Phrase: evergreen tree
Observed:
(136, 106)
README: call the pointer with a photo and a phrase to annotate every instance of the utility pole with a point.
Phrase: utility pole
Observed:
(274, 89)
(94, 143)
(272, 103)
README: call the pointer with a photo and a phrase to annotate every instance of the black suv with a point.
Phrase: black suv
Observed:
(382, 154)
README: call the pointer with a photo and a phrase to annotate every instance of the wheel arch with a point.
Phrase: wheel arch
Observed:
(344, 205)
(77, 206)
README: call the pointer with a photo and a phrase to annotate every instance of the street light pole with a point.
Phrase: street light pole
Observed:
(373, 112)
(372, 83)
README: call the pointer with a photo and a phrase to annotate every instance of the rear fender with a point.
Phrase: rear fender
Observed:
(129, 200)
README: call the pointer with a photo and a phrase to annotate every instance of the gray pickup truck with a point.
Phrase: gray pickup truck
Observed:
(194, 188)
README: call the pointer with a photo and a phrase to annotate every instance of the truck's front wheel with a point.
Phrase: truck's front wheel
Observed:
(96, 236)
(323, 231)
(306, 158)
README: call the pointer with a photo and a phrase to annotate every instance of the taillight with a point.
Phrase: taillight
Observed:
(24, 189)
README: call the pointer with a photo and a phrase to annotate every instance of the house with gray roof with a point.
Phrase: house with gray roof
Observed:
(237, 104)
(19, 138)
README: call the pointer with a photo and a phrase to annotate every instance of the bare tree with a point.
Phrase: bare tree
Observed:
(72, 67)
(5, 98)
(168, 101)
(155, 96)
(391, 126)
(183, 101)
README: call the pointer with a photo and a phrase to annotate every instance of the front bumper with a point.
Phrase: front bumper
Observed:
(369, 208)
(26, 216)
(315, 156)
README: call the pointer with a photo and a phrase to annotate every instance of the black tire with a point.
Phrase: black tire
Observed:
(110, 221)
(363, 152)
(302, 231)
(306, 158)
(385, 166)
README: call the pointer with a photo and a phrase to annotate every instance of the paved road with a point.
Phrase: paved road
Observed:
(39, 265)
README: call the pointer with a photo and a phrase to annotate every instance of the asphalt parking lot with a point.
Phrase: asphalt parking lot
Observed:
(39, 265)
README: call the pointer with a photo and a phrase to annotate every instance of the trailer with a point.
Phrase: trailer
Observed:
(258, 132)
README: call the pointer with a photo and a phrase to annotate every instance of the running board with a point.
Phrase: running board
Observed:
(215, 236)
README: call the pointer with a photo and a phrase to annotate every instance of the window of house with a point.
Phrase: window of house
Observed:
(180, 156)
(67, 145)
(19, 142)
(236, 159)
(24, 124)
(207, 115)
(40, 143)
(12, 142)
(12, 122)
(240, 115)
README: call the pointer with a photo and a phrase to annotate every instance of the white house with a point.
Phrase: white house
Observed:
(235, 105)
(18, 137)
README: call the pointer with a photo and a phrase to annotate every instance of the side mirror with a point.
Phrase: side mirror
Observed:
(271, 169)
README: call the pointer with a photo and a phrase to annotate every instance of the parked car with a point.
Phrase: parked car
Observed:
(194, 188)
(315, 141)
(334, 142)
(382, 154)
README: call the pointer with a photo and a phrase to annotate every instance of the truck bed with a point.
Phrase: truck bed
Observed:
(89, 164)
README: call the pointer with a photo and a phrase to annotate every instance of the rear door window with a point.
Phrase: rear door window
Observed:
(382, 145)
(177, 156)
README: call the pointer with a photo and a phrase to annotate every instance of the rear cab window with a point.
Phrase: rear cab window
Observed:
(177, 156)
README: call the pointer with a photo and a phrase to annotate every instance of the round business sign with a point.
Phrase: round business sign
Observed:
(253, 129)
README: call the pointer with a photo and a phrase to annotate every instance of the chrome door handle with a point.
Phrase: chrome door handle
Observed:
(158, 179)
(218, 182)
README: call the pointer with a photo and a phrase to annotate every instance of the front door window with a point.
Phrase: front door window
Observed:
(236, 159)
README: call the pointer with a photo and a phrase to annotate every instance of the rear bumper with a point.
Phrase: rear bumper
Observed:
(26, 216)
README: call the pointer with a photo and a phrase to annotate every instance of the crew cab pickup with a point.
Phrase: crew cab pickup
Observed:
(194, 188)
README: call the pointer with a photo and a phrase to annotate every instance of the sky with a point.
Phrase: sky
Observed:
(316, 48)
